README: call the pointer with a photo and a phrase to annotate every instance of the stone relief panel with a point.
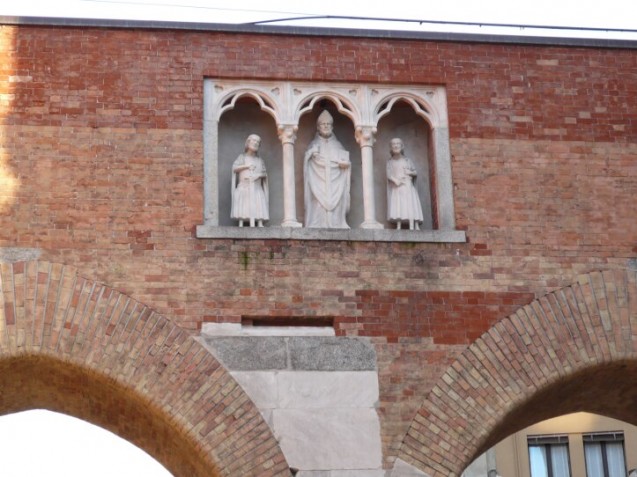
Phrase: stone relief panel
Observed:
(302, 202)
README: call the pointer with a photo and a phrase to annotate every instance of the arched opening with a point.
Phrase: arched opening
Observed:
(235, 125)
(52, 437)
(43, 382)
(71, 345)
(403, 122)
(575, 444)
(608, 389)
(344, 132)
(572, 350)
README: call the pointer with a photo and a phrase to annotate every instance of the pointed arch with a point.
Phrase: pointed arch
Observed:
(419, 104)
(265, 102)
(344, 105)
(574, 349)
(72, 345)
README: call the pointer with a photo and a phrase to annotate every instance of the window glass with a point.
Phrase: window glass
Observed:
(537, 458)
(548, 456)
(604, 454)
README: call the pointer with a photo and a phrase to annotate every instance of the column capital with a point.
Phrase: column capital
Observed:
(287, 133)
(365, 136)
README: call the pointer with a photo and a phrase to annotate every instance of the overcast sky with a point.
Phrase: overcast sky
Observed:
(36, 443)
(610, 14)
(48, 444)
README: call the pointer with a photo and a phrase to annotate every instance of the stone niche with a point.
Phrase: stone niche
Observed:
(365, 118)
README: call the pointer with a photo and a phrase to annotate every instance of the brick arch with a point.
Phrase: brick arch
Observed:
(574, 349)
(72, 345)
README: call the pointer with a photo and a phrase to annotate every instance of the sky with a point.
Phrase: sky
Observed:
(32, 442)
(610, 14)
(38, 444)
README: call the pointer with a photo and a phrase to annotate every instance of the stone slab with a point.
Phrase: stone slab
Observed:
(331, 354)
(478, 468)
(358, 473)
(236, 329)
(307, 353)
(327, 389)
(249, 353)
(18, 254)
(267, 417)
(261, 386)
(319, 439)
(348, 235)
(341, 473)
(403, 469)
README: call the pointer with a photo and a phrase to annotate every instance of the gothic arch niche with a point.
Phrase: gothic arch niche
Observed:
(234, 108)
(344, 132)
(236, 124)
(403, 122)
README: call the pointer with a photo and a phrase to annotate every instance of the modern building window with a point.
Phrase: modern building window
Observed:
(604, 454)
(548, 456)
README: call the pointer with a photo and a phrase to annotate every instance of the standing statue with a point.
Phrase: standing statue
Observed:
(250, 185)
(403, 203)
(327, 175)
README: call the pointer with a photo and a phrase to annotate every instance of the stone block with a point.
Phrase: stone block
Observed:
(358, 473)
(331, 354)
(261, 386)
(18, 254)
(327, 389)
(320, 439)
(249, 353)
(341, 473)
(403, 469)
(236, 329)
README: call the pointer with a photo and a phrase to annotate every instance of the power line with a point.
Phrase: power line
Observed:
(299, 16)
(200, 7)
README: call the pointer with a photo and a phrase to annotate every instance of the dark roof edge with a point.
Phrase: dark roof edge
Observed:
(317, 31)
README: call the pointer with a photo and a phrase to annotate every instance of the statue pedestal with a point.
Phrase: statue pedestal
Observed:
(371, 224)
(291, 223)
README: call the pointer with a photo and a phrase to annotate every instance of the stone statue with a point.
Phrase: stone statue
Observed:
(250, 185)
(403, 203)
(327, 175)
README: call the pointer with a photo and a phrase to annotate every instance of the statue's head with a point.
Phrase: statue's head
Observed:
(396, 146)
(325, 124)
(252, 142)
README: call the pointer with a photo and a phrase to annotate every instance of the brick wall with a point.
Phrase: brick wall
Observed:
(101, 169)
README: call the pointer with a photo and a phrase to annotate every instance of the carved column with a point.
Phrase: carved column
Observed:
(211, 147)
(287, 136)
(365, 139)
